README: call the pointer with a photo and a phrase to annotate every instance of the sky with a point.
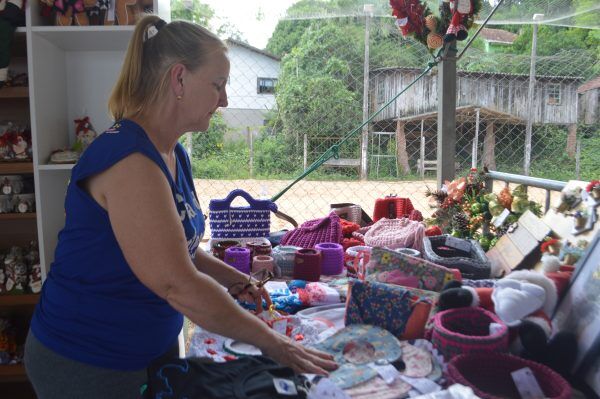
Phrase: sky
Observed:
(243, 13)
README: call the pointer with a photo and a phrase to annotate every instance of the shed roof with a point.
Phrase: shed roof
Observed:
(486, 74)
(235, 42)
(498, 36)
(589, 85)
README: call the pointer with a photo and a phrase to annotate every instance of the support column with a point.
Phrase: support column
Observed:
(572, 140)
(446, 132)
(401, 153)
(489, 145)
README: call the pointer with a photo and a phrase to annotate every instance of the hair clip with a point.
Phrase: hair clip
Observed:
(150, 32)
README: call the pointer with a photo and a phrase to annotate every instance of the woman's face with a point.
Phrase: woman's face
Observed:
(204, 92)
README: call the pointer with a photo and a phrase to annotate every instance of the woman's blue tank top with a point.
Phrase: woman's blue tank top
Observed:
(92, 307)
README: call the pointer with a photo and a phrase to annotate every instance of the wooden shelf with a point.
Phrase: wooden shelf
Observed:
(13, 168)
(14, 92)
(58, 166)
(12, 372)
(19, 300)
(17, 216)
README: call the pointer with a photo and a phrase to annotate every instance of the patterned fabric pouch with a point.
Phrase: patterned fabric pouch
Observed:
(386, 266)
(400, 310)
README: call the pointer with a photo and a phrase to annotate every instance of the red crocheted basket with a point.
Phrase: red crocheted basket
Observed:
(488, 374)
(392, 208)
(467, 330)
(313, 232)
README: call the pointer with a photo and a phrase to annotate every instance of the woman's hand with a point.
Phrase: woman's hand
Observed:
(303, 360)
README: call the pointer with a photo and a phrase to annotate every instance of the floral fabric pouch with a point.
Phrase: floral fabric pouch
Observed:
(402, 311)
(387, 266)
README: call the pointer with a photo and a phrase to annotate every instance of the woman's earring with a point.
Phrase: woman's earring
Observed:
(179, 97)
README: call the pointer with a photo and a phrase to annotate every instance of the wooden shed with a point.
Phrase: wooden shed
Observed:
(555, 96)
(589, 101)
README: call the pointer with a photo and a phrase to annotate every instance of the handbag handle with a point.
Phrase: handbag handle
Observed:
(238, 192)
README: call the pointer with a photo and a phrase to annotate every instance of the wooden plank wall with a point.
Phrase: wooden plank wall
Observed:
(507, 94)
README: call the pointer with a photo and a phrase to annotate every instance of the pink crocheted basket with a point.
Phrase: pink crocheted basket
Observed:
(488, 374)
(313, 232)
(466, 330)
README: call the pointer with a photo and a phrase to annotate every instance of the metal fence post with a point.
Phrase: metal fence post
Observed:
(530, 92)
(251, 144)
(578, 160)
(368, 10)
(305, 160)
(446, 127)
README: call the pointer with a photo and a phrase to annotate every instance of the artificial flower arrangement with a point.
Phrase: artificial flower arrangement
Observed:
(464, 209)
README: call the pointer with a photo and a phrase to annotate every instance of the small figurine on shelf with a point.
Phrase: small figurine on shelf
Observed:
(594, 189)
(19, 147)
(2, 279)
(569, 199)
(35, 279)
(23, 205)
(7, 188)
(84, 133)
(580, 220)
(16, 273)
(5, 150)
(8, 342)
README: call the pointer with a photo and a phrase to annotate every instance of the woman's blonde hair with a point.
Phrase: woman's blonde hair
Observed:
(154, 48)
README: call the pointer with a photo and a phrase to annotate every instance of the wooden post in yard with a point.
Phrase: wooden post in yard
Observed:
(489, 144)
(251, 145)
(401, 154)
(446, 131)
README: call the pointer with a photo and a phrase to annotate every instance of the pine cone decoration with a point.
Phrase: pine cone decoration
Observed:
(460, 222)
(505, 198)
(431, 23)
(434, 41)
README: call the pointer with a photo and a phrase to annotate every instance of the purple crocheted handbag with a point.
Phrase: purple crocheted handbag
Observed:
(240, 222)
(313, 232)
(489, 374)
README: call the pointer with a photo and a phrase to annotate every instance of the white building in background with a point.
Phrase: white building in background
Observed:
(250, 88)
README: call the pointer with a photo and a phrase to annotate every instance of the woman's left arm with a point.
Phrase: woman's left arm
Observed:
(231, 278)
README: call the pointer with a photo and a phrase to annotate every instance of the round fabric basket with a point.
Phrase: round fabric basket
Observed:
(467, 330)
(332, 262)
(307, 264)
(488, 374)
(283, 256)
(239, 258)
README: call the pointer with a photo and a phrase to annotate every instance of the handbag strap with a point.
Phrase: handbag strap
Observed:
(254, 203)
(286, 217)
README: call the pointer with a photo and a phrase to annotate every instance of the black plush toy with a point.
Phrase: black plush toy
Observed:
(11, 15)
(523, 299)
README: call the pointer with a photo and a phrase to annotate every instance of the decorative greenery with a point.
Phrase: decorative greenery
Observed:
(465, 209)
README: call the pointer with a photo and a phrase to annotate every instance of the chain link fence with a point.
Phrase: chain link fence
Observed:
(285, 112)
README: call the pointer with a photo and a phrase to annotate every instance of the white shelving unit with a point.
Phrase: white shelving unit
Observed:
(71, 73)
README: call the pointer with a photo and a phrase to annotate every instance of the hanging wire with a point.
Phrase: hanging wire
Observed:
(334, 150)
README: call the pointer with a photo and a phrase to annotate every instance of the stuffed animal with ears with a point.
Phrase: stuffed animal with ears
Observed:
(12, 14)
(461, 10)
(524, 300)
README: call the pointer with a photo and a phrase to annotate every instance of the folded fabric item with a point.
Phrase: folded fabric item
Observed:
(393, 233)
(400, 310)
(351, 242)
(348, 227)
(386, 266)
(314, 232)
(316, 294)
(354, 348)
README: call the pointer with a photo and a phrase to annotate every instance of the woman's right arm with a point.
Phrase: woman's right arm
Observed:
(145, 221)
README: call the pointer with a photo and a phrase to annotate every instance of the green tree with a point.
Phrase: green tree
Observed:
(192, 10)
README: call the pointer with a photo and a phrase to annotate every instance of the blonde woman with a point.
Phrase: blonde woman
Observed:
(127, 265)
